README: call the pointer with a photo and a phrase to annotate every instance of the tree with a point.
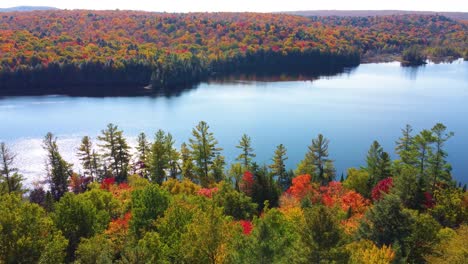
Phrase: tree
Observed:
(144, 152)
(143, 147)
(58, 169)
(10, 179)
(116, 151)
(265, 188)
(278, 168)
(409, 187)
(450, 209)
(322, 236)
(423, 238)
(27, 234)
(204, 150)
(452, 248)
(358, 180)
(187, 163)
(245, 145)
(366, 252)
(406, 148)
(77, 218)
(386, 223)
(159, 160)
(97, 249)
(440, 168)
(217, 170)
(235, 173)
(88, 157)
(234, 203)
(147, 205)
(173, 225)
(378, 163)
(173, 156)
(273, 240)
(207, 238)
(423, 143)
(319, 153)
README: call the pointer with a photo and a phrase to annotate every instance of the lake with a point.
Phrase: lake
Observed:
(369, 102)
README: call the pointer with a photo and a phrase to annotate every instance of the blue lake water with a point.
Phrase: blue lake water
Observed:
(370, 102)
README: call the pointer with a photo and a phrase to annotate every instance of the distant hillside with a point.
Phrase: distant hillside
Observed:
(26, 8)
(355, 13)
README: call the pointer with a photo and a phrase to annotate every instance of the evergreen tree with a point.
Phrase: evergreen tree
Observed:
(278, 168)
(319, 154)
(143, 147)
(58, 170)
(406, 148)
(236, 172)
(10, 179)
(329, 172)
(247, 154)
(204, 150)
(217, 170)
(265, 187)
(322, 236)
(88, 157)
(159, 160)
(187, 163)
(378, 164)
(116, 151)
(423, 143)
(173, 157)
(440, 168)
(387, 224)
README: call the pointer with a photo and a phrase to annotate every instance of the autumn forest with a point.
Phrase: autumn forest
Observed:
(157, 203)
(158, 200)
(62, 51)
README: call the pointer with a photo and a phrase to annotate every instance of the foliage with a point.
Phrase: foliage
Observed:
(27, 234)
(147, 205)
(131, 49)
(381, 188)
(452, 248)
(322, 236)
(366, 252)
(451, 208)
(358, 180)
(76, 217)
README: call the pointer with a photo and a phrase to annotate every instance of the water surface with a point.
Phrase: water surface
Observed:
(370, 102)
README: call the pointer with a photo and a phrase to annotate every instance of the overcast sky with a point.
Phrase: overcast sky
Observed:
(247, 5)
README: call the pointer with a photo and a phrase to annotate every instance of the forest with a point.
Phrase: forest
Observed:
(61, 51)
(158, 203)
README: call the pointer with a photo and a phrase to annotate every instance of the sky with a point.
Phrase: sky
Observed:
(247, 5)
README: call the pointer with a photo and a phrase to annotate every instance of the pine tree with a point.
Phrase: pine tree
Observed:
(217, 171)
(278, 168)
(406, 148)
(440, 168)
(159, 160)
(204, 149)
(88, 157)
(423, 143)
(319, 153)
(10, 179)
(116, 151)
(58, 169)
(378, 163)
(143, 147)
(187, 163)
(173, 156)
(247, 154)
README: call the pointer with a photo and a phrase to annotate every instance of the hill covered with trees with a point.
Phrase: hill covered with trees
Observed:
(52, 51)
(162, 204)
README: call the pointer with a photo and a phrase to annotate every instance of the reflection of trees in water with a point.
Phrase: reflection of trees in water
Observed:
(411, 72)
